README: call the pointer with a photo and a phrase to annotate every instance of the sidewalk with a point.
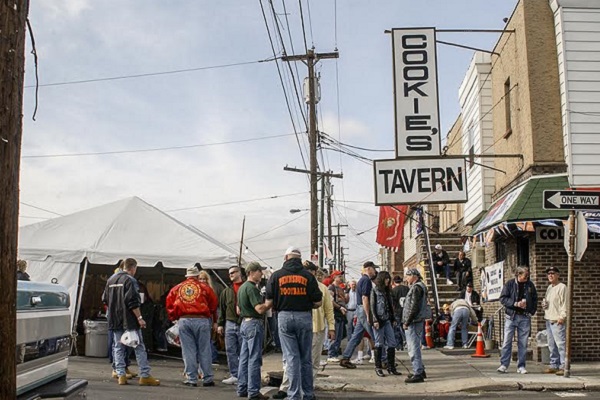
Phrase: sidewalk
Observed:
(454, 372)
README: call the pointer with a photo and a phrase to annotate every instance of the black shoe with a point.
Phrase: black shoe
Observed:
(344, 362)
(259, 396)
(415, 379)
(280, 395)
(188, 383)
(244, 395)
(424, 375)
(208, 384)
(379, 372)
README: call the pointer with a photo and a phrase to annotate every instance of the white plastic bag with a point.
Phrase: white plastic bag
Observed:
(173, 335)
(130, 339)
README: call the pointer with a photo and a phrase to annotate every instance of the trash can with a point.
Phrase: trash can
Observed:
(96, 338)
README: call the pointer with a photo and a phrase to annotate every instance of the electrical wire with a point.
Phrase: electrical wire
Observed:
(303, 27)
(100, 153)
(235, 202)
(133, 76)
(41, 209)
(278, 226)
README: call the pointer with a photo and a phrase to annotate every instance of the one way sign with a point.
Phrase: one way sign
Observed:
(571, 200)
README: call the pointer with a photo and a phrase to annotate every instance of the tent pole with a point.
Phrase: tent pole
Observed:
(78, 304)
(218, 277)
(242, 242)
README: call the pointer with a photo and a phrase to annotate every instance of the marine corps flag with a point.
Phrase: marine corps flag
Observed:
(391, 226)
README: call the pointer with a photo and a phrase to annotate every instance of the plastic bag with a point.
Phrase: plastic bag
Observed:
(172, 335)
(130, 339)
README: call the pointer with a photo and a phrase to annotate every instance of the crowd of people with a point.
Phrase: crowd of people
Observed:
(316, 312)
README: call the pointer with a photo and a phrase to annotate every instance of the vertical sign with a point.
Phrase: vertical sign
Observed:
(416, 93)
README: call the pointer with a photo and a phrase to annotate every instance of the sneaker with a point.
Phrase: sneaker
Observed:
(415, 379)
(449, 282)
(560, 372)
(333, 360)
(344, 362)
(366, 357)
(358, 361)
(188, 383)
(465, 346)
(208, 384)
(280, 395)
(372, 360)
(232, 380)
(122, 380)
(449, 347)
(502, 369)
(148, 381)
(550, 370)
(322, 363)
(521, 370)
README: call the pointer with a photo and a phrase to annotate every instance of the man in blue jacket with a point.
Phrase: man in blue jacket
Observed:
(519, 298)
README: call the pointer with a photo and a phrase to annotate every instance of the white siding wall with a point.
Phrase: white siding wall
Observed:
(577, 26)
(475, 95)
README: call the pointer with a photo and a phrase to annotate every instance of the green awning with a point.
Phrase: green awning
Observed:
(524, 203)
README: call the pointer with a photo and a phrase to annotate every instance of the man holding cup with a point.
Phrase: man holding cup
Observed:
(555, 314)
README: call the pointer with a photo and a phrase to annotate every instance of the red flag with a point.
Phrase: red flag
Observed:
(391, 226)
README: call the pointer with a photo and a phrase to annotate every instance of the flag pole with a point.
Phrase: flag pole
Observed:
(242, 242)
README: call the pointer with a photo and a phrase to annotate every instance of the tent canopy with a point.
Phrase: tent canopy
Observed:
(125, 228)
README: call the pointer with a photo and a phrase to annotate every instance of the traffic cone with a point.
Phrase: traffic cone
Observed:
(480, 347)
(428, 338)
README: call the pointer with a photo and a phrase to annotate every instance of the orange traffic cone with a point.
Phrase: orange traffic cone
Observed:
(480, 347)
(428, 338)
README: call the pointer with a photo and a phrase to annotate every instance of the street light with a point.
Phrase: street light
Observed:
(297, 210)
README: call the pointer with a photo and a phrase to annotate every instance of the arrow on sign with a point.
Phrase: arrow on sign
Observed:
(571, 200)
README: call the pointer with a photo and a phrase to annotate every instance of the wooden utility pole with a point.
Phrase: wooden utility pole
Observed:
(329, 208)
(12, 68)
(311, 58)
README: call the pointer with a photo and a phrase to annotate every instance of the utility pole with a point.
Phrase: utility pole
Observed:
(339, 236)
(12, 68)
(310, 59)
(329, 208)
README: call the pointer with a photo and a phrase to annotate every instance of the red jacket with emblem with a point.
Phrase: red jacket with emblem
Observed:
(192, 297)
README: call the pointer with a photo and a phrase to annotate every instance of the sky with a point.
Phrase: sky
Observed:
(216, 118)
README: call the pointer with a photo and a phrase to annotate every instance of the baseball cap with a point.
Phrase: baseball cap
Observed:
(413, 272)
(438, 246)
(292, 250)
(552, 269)
(254, 266)
(397, 279)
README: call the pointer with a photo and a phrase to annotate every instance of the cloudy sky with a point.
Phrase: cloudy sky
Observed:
(216, 118)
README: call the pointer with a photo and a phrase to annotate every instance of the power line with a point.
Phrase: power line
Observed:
(41, 209)
(100, 153)
(235, 202)
(176, 71)
(277, 227)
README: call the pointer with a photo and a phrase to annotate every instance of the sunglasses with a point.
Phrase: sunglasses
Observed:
(233, 272)
(551, 273)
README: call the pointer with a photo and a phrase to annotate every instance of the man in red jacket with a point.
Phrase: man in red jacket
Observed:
(194, 305)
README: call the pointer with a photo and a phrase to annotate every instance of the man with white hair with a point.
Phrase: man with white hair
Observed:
(294, 292)
(441, 262)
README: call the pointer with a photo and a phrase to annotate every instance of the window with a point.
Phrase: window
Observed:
(507, 114)
(523, 251)
(500, 250)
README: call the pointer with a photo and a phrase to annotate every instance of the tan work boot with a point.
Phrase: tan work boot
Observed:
(123, 380)
(114, 375)
(149, 381)
(130, 374)
(550, 370)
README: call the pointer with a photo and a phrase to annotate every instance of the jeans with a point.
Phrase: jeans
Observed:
(400, 335)
(461, 316)
(295, 334)
(359, 330)
(111, 351)
(350, 322)
(253, 333)
(556, 344)
(233, 345)
(120, 351)
(334, 348)
(522, 323)
(384, 336)
(414, 334)
(194, 334)
(317, 345)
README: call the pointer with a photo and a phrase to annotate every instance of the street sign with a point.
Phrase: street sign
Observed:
(420, 181)
(416, 92)
(581, 236)
(571, 200)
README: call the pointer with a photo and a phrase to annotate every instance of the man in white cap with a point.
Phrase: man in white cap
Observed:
(294, 292)
(555, 314)
(441, 262)
(194, 304)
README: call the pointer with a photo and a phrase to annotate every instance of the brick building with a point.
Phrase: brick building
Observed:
(534, 104)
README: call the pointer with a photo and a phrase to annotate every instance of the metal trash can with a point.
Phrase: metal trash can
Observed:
(96, 338)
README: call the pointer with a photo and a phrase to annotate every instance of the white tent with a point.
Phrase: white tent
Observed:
(112, 232)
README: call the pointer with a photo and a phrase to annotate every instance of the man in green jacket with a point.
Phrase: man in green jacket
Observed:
(229, 323)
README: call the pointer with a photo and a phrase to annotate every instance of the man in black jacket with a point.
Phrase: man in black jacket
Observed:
(399, 292)
(123, 299)
(294, 292)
